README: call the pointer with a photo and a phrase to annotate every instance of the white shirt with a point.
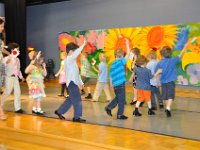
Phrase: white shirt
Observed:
(11, 66)
(71, 67)
(151, 66)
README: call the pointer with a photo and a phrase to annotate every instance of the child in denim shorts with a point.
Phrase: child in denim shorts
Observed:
(168, 75)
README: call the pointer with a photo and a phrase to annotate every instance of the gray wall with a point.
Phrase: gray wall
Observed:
(2, 13)
(44, 22)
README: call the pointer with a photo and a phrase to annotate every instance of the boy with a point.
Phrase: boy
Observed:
(12, 65)
(73, 80)
(102, 83)
(86, 74)
(143, 84)
(169, 75)
(118, 79)
(155, 82)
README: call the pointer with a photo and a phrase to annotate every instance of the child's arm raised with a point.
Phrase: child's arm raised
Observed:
(78, 51)
(128, 49)
(185, 47)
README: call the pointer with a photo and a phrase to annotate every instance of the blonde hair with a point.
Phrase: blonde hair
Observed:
(38, 61)
(102, 55)
(119, 53)
(152, 55)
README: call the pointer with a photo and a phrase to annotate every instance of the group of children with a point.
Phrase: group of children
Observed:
(147, 77)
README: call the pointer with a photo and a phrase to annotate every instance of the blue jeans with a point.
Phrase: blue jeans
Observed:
(74, 100)
(155, 92)
(119, 99)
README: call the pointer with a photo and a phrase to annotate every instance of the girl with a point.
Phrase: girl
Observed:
(37, 71)
(62, 77)
(133, 77)
(2, 67)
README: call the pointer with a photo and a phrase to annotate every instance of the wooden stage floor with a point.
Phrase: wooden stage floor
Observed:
(34, 132)
(26, 132)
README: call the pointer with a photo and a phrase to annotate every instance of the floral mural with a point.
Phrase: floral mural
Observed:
(145, 38)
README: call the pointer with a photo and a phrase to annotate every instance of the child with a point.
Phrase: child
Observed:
(31, 54)
(73, 80)
(61, 74)
(118, 79)
(12, 65)
(155, 82)
(169, 75)
(2, 68)
(37, 71)
(102, 83)
(143, 84)
(133, 78)
(86, 74)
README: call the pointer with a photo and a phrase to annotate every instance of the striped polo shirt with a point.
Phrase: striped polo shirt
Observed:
(117, 72)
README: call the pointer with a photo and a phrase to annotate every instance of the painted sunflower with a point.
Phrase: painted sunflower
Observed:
(116, 38)
(155, 37)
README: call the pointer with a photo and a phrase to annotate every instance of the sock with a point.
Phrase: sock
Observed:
(34, 109)
(168, 108)
(39, 109)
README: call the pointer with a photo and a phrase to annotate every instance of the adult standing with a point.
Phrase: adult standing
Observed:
(2, 67)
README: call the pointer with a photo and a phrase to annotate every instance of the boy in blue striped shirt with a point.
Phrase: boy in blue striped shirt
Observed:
(118, 79)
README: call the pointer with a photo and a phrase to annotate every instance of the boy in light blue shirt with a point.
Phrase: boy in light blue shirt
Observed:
(102, 83)
(155, 82)
(118, 79)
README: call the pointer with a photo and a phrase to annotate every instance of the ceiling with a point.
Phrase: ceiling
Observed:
(39, 2)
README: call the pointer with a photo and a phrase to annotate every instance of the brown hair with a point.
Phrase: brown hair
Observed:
(12, 46)
(1, 21)
(71, 46)
(141, 60)
(136, 51)
(2, 35)
(119, 53)
(152, 54)
(166, 52)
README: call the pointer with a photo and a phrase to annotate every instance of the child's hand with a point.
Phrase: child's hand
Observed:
(82, 86)
(93, 62)
(22, 80)
(32, 62)
(56, 75)
(159, 71)
(44, 65)
(38, 55)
